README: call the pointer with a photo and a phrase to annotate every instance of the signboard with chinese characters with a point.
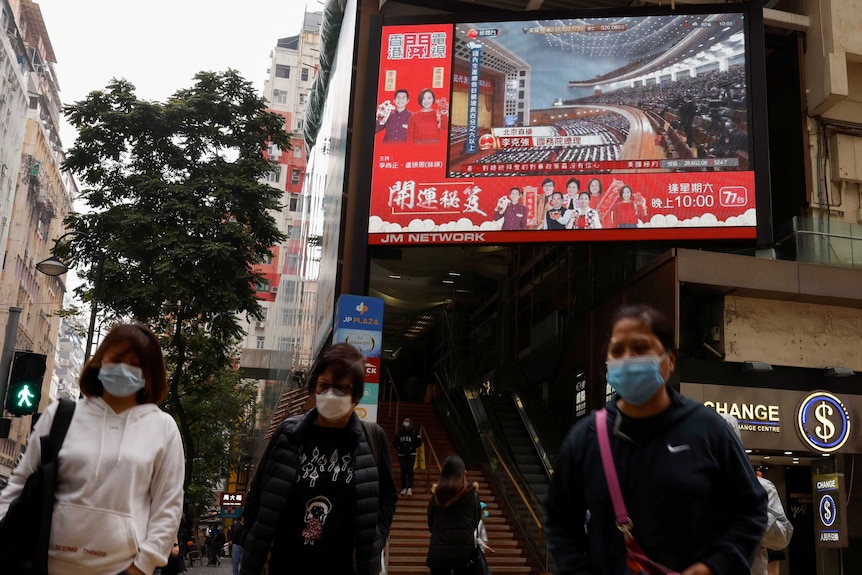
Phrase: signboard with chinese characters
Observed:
(490, 132)
(830, 523)
(232, 499)
(359, 322)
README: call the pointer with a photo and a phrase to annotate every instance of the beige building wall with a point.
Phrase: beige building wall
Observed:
(792, 333)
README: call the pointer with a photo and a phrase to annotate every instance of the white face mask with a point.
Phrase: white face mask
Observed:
(333, 407)
(121, 379)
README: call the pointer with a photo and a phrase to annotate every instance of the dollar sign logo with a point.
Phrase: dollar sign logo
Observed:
(822, 413)
(827, 511)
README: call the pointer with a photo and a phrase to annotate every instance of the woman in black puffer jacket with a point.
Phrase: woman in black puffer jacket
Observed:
(453, 515)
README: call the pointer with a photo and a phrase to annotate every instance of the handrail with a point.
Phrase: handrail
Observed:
(427, 440)
(531, 430)
(523, 497)
(392, 390)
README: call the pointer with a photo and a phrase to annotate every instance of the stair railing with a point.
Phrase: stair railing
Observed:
(520, 491)
(392, 389)
(537, 444)
(426, 440)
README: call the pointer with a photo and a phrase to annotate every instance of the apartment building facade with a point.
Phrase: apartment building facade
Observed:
(41, 197)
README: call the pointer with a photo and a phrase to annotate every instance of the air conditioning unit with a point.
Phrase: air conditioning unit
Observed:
(274, 289)
(259, 324)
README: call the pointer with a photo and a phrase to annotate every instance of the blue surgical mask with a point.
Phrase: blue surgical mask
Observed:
(637, 378)
(121, 379)
(405, 424)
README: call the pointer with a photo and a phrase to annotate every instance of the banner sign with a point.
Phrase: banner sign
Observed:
(831, 511)
(359, 322)
(478, 125)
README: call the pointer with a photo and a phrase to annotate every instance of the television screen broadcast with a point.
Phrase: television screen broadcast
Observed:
(567, 129)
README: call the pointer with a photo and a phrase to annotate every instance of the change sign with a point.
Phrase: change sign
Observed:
(830, 525)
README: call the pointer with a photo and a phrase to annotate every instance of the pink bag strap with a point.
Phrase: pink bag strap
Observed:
(624, 522)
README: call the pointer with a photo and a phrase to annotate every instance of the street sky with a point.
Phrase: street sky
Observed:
(159, 45)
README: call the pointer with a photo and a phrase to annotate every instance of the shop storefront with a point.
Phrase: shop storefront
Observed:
(806, 442)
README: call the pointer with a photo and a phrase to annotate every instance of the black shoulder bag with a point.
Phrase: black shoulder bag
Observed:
(26, 529)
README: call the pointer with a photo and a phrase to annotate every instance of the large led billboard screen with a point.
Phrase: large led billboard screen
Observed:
(619, 127)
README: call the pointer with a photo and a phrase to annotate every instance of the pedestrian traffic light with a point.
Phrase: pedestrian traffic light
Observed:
(25, 383)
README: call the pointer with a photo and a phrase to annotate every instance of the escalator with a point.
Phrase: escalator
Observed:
(518, 435)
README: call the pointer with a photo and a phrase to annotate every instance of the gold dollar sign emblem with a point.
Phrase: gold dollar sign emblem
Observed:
(822, 413)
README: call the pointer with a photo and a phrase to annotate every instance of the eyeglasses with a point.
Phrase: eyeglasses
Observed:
(338, 389)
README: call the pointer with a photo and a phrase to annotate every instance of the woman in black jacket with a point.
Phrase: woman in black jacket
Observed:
(319, 501)
(453, 516)
(406, 442)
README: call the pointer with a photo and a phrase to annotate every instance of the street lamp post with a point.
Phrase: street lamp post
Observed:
(54, 266)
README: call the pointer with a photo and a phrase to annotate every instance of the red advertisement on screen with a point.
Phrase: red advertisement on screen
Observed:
(455, 161)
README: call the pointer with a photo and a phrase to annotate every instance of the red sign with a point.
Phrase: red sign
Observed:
(372, 370)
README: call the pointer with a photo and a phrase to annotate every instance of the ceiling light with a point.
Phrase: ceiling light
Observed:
(395, 276)
(448, 281)
(766, 457)
(788, 453)
(455, 274)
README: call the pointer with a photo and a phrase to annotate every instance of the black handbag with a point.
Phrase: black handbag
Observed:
(26, 529)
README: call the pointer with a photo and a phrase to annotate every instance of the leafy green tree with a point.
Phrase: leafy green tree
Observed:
(178, 216)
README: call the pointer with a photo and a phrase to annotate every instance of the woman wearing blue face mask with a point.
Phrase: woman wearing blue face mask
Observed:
(320, 502)
(119, 488)
(693, 499)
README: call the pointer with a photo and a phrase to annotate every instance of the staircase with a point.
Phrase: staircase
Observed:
(408, 544)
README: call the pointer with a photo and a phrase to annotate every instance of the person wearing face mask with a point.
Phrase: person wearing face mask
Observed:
(406, 442)
(694, 501)
(119, 488)
(319, 502)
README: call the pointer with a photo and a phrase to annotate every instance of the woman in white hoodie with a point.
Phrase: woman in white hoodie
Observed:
(120, 479)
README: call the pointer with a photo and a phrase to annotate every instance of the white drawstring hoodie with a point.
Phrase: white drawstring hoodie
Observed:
(119, 488)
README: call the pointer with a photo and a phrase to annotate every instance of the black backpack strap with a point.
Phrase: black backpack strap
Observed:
(59, 427)
(373, 443)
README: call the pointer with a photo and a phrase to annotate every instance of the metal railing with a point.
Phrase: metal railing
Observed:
(426, 441)
(534, 436)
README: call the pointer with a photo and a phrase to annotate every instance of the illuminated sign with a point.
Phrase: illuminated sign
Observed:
(479, 123)
(823, 422)
(232, 499)
(831, 524)
(783, 419)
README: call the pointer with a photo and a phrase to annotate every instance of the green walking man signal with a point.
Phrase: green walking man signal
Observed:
(25, 383)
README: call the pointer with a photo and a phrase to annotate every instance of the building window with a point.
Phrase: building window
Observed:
(274, 176)
(294, 202)
(261, 285)
(266, 260)
(279, 97)
(282, 71)
(300, 124)
(294, 177)
(304, 75)
(284, 344)
(297, 151)
(261, 341)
